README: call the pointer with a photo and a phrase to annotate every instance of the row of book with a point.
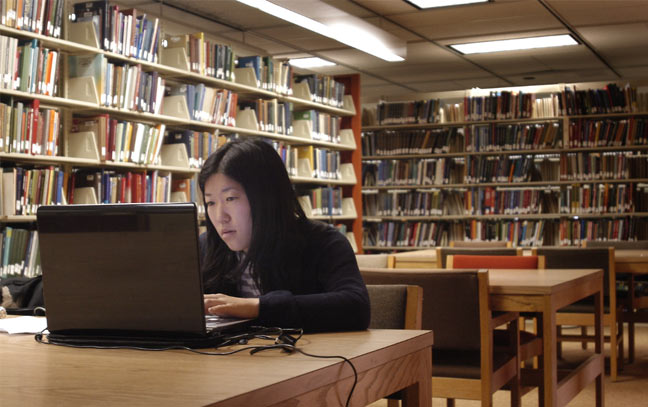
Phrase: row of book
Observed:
(432, 234)
(122, 140)
(39, 16)
(596, 198)
(325, 127)
(611, 99)
(127, 32)
(576, 231)
(324, 163)
(606, 165)
(510, 168)
(512, 137)
(272, 115)
(502, 105)
(206, 57)
(506, 201)
(206, 104)
(323, 89)
(129, 187)
(289, 155)
(413, 112)
(272, 75)
(29, 128)
(566, 199)
(28, 67)
(324, 201)
(411, 234)
(610, 132)
(24, 190)
(19, 253)
(430, 202)
(427, 171)
(199, 144)
(430, 141)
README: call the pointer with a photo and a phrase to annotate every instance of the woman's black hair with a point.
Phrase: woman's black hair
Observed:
(277, 218)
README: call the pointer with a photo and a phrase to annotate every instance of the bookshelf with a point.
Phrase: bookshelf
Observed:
(556, 167)
(86, 153)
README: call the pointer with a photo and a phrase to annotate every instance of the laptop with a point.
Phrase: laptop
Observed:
(125, 275)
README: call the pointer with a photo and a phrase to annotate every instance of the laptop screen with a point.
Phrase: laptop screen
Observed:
(127, 268)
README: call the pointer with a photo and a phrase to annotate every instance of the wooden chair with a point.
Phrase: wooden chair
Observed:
(530, 343)
(443, 252)
(456, 308)
(633, 298)
(582, 313)
(373, 260)
(395, 306)
(465, 261)
(480, 243)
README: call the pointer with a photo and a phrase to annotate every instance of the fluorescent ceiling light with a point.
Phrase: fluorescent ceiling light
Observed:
(313, 62)
(442, 3)
(363, 42)
(515, 44)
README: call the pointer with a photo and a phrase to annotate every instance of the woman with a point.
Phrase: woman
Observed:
(262, 258)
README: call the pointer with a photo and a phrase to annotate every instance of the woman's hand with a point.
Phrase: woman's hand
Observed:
(224, 305)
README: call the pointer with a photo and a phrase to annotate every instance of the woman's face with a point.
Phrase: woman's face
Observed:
(229, 211)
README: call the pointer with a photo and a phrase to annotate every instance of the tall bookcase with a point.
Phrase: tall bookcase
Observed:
(550, 168)
(74, 151)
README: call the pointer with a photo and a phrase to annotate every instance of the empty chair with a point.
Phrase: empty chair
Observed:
(459, 261)
(456, 308)
(480, 243)
(443, 252)
(582, 312)
(395, 306)
(633, 297)
(373, 260)
(530, 343)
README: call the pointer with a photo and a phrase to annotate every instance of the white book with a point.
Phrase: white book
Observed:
(137, 144)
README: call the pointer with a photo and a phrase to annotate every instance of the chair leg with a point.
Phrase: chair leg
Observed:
(450, 402)
(631, 341)
(620, 341)
(559, 344)
(392, 403)
(584, 333)
(614, 347)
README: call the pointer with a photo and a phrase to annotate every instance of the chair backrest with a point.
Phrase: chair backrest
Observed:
(443, 252)
(464, 261)
(395, 306)
(451, 302)
(618, 244)
(480, 243)
(372, 260)
(562, 257)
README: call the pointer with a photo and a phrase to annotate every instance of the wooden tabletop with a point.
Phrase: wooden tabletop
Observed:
(536, 281)
(35, 374)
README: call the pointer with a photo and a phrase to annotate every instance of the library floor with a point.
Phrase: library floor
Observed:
(628, 390)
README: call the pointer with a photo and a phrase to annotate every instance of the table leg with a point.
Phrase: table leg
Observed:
(598, 343)
(549, 355)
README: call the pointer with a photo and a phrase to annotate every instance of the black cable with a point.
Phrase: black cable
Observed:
(283, 340)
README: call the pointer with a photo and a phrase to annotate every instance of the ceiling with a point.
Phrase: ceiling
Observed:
(613, 36)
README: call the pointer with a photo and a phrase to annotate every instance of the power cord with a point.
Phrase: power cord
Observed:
(282, 337)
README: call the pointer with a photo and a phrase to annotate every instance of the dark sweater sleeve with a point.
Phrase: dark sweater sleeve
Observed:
(333, 295)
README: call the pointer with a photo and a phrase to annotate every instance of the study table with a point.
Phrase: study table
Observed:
(543, 292)
(34, 374)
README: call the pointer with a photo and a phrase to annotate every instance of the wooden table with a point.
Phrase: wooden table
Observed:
(631, 261)
(34, 374)
(544, 292)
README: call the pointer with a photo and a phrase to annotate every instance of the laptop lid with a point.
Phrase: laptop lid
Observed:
(124, 269)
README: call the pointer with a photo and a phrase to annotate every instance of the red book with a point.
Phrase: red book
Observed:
(34, 127)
